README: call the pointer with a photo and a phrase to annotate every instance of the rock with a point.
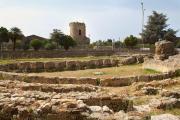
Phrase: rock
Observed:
(129, 60)
(115, 63)
(23, 66)
(37, 66)
(106, 109)
(49, 66)
(60, 66)
(165, 117)
(173, 94)
(91, 64)
(95, 108)
(139, 59)
(107, 63)
(71, 65)
(142, 108)
(150, 91)
(165, 103)
(164, 49)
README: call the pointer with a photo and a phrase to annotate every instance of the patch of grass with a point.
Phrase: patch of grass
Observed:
(150, 71)
(141, 101)
(129, 70)
(178, 72)
(1, 77)
(175, 111)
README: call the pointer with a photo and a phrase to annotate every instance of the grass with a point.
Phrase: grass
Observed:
(141, 100)
(174, 111)
(150, 71)
(128, 70)
(6, 61)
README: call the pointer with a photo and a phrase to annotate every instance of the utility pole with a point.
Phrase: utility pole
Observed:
(143, 10)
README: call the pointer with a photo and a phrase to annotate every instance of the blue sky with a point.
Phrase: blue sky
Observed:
(104, 18)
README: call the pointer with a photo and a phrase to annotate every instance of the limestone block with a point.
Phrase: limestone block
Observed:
(60, 66)
(71, 65)
(49, 66)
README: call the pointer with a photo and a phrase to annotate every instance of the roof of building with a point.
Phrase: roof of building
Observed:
(32, 37)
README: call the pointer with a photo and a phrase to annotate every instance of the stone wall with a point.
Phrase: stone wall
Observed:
(58, 66)
(55, 54)
(164, 49)
(126, 81)
(27, 101)
(167, 65)
(70, 53)
(110, 82)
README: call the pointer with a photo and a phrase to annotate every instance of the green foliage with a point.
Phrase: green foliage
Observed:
(56, 36)
(25, 45)
(130, 41)
(4, 35)
(107, 42)
(178, 43)
(50, 46)
(150, 71)
(67, 41)
(15, 34)
(156, 29)
(170, 35)
(118, 44)
(36, 44)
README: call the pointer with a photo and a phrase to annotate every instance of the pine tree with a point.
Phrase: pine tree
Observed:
(156, 29)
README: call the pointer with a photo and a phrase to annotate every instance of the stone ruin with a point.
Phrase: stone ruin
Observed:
(164, 49)
(166, 58)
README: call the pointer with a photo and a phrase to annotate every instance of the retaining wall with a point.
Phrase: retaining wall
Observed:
(110, 82)
(58, 66)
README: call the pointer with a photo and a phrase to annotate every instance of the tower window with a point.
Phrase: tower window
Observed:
(80, 32)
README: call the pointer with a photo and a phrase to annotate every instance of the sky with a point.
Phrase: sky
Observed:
(115, 19)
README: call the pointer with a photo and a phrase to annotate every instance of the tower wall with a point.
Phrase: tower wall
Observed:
(78, 33)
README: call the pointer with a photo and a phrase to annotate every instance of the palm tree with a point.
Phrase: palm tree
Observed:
(15, 34)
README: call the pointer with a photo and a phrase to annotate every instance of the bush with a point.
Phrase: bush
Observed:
(178, 44)
(25, 45)
(131, 41)
(50, 46)
(36, 44)
(67, 41)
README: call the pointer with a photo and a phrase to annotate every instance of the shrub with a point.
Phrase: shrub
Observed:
(131, 41)
(50, 46)
(178, 44)
(36, 44)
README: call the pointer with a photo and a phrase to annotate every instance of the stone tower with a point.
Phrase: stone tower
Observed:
(78, 33)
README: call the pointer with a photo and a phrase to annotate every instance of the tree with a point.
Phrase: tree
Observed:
(49, 46)
(25, 45)
(118, 44)
(56, 36)
(156, 28)
(36, 44)
(4, 36)
(131, 41)
(67, 41)
(15, 34)
(170, 35)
